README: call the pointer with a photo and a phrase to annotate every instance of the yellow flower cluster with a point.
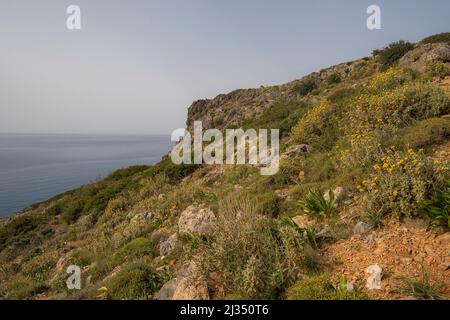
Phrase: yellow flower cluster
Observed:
(312, 122)
(389, 78)
(392, 161)
(400, 180)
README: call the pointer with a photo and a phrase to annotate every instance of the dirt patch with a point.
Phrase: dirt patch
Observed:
(399, 249)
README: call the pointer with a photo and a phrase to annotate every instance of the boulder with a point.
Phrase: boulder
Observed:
(191, 289)
(167, 290)
(187, 285)
(197, 220)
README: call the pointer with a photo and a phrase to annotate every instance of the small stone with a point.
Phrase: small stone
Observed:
(350, 286)
(301, 175)
(369, 239)
(405, 260)
(374, 280)
(444, 239)
(339, 194)
(361, 228)
(303, 221)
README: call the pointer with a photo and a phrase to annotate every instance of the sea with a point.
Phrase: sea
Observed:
(36, 167)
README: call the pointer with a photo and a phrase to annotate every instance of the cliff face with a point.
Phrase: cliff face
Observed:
(361, 186)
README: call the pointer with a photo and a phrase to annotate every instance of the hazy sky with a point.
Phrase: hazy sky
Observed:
(136, 66)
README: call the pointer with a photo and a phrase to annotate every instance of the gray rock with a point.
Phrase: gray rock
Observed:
(421, 57)
(88, 221)
(325, 233)
(170, 244)
(142, 217)
(191, 289)
(339, 194)
(187, 285)
(374, 277)
(295, 151)
(167, 290)
(159, 236)
(361, 228)
(197, 220)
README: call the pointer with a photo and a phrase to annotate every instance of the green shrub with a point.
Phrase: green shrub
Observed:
(400, 182)
(375, 116)
(21, 287)
(437, 208)
(136, 248)
(20, 230)
(256, 256)
(392, 53)
(314, 124)
(306, 87)
(268, 203)
(282, 116)
(174, 172)
(82, 257)
(154, 186)
(421, 288)
(315, 204)
(334, 79)
(72, 212)
(55, 209)
(136, 282)
(343, 93)
(441, 37)
(39, 272)
(439, 69)
(319, 287)
(424, 134)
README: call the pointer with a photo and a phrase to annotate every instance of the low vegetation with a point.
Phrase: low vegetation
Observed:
(320, 287)
(392, 53)
(316, 204)
(419, 288)
(437, 207)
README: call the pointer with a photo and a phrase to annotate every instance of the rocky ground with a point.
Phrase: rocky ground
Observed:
(400, 249)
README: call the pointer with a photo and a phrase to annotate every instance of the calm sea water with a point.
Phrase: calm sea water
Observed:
(34, 168)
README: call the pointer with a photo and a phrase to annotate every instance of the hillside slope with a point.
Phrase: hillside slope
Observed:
(363, 181)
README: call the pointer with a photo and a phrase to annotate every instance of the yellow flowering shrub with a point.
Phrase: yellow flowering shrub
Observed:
(375, 115)
(389, 79)
(312, 125)
(399, 181)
